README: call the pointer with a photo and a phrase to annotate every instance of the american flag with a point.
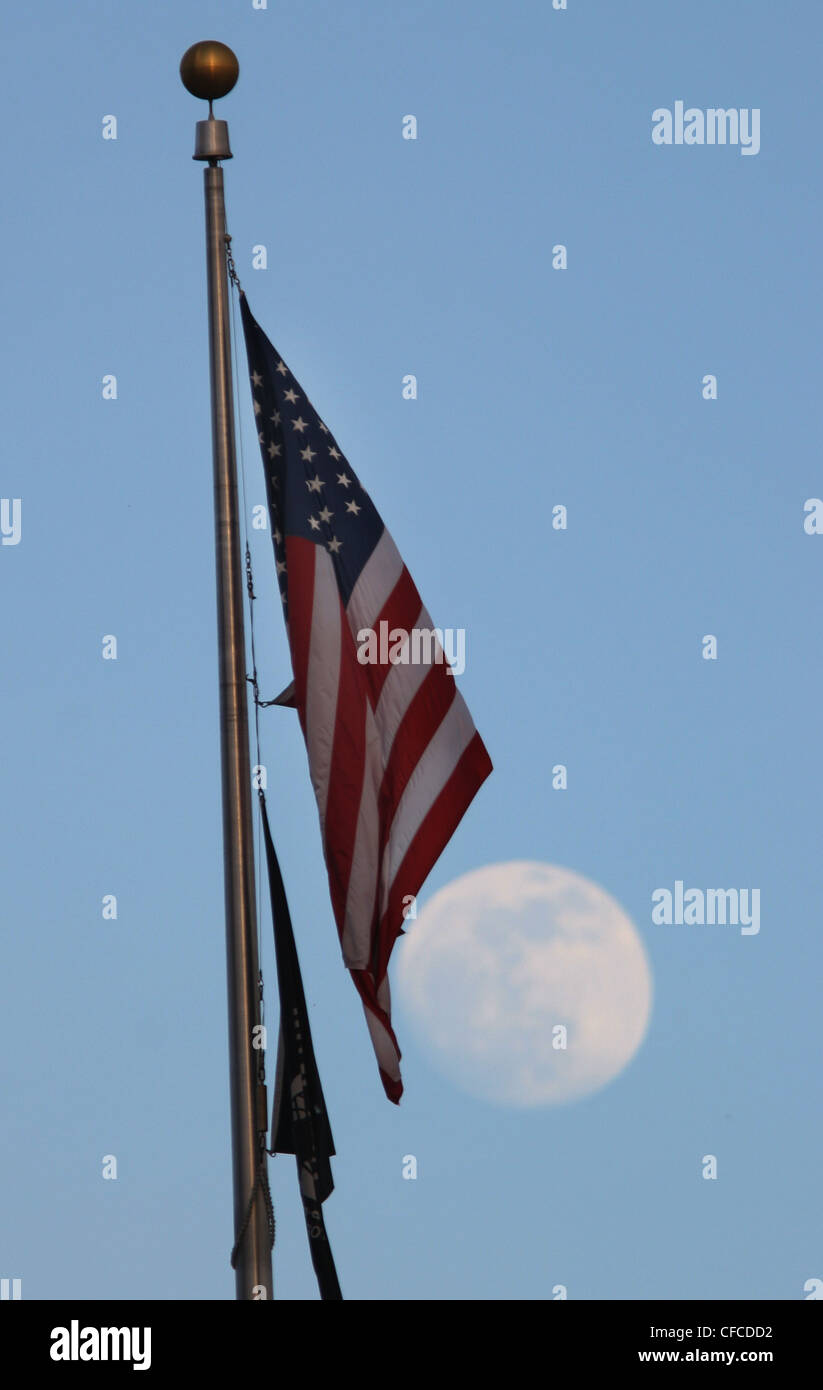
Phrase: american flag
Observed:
(394, 757)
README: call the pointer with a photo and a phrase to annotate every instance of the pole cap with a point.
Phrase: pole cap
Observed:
(209, 69)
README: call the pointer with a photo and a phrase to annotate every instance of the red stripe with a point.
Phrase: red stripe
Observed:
(367, 990)
(401, 610)
(345, 774)
(440, 823)
(422, 719)
(424, 715)
(393, 1089)
(300, 555)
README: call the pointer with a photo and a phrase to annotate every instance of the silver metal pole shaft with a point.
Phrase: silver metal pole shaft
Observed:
(208, 71)
(254, 1272)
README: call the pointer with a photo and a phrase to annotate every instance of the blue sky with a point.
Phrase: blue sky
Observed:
(536, 387)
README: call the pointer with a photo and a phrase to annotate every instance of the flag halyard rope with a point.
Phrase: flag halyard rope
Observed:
(261, 1181)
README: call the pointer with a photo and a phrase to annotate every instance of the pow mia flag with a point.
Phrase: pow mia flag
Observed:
(300, 1124)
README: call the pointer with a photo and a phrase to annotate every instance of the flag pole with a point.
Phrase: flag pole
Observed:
(209, 70)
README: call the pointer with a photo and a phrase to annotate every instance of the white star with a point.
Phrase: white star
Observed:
(281, 567)
(352, 507)
(314, 523)
(343, 480)
(260, 437)
(335, 453)
(278, 537)
(276, 417)
(299, 424)
(314, 484)
(274, 450)
(257, 407)
(323, 427)
(325, 515)
(308, 453)
(282, 369)
(256, 380)
(334, 545)
(290, 395)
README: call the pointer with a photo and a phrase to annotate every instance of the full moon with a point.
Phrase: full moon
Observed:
(526, 984)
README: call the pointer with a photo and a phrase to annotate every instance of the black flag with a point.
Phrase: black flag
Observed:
(300, 1124)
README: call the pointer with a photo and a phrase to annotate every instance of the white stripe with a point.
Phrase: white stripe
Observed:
(323, 678)
(378, 578)
(384, 1047)
(355, 939)
(399, 689)
(384, 995)
(427, 781)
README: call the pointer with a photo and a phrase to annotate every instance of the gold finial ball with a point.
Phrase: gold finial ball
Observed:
(209, 69)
